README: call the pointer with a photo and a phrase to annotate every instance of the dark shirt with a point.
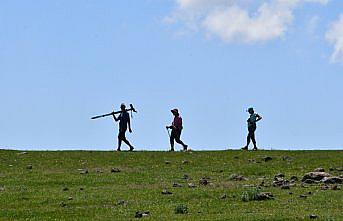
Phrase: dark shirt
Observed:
(124, 119)
(252, 120)
(177, 122)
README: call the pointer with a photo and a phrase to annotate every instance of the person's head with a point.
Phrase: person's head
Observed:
(175, 112)
(122, 107)
(251, 110)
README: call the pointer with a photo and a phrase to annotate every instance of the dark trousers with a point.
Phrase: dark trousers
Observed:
(251, 135)
(122, 137)
(175, 135)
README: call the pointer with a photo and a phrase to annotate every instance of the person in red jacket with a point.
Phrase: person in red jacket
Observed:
(176, 130)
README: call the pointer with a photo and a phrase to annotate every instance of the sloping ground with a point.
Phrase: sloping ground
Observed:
(55, 189)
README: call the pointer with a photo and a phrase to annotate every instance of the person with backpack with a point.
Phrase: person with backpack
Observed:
(252, 120)
(176, 128)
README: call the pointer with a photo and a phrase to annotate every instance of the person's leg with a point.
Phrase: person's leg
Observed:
(179, 141)
(123, 138)
(252, 136)
(128, 143)
(172, 138)
(119, 141)
(248, 139)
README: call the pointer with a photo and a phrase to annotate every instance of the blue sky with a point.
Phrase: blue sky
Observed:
(61, 62)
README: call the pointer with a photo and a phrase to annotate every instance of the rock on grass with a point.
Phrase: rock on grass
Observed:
(122, 203)
(267, 158)
(255, 195)
(115, 170)
(317, 176)
(177, 185)
(166, 192)
(313, 216)
(191, 185)
(203, 181)
(140, 214)
(237, 177)
(332, 180)
(319, 169)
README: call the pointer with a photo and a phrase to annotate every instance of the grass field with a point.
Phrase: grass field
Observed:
(54, 189)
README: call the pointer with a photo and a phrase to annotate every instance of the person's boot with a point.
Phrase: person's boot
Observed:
(172, 149)
(255, 148)
(131, 148)
(118, 149)
(244, 148)
(185, 147)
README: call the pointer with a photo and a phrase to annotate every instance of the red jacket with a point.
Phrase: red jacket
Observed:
(177, 122)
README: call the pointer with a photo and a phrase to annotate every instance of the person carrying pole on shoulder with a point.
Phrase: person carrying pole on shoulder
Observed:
(254, 117)
(124, 123)
(176, 128)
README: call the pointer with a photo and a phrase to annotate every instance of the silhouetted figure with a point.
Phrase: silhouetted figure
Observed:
(124, 123)
(254, 117)
(176, 130)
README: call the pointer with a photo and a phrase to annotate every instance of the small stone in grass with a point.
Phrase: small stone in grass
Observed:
(115, 170)
(279, 175)
(140, 214)
(85, 171)
(267, 158)
(167, 162)
(98, 170)
(325, 187)
(294, 178)
(335, 187)
(224, 196)
(313, 216)
(319, 170)
(65, 189)
(29, 167)
(185, 177)
(122, 203)
(166, 192)
(63, 204)
(303, 196)
(203, 181)
(185, 162)
(70, 198)
(177, 185)
(191, 185)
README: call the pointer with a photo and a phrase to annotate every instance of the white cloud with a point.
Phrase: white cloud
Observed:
(238, 20)
(335, 36)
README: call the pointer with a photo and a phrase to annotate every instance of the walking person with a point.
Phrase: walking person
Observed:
(176, 128)
(252, 120)
(124, 123)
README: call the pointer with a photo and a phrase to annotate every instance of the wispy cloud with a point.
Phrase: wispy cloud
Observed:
(335, 37)
(238, 20)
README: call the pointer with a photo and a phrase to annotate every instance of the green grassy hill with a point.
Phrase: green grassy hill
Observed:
(57, 186)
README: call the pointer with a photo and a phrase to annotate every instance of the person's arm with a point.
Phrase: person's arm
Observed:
(171, 126)
(258, 118)
(114, 117)
(129, 123)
